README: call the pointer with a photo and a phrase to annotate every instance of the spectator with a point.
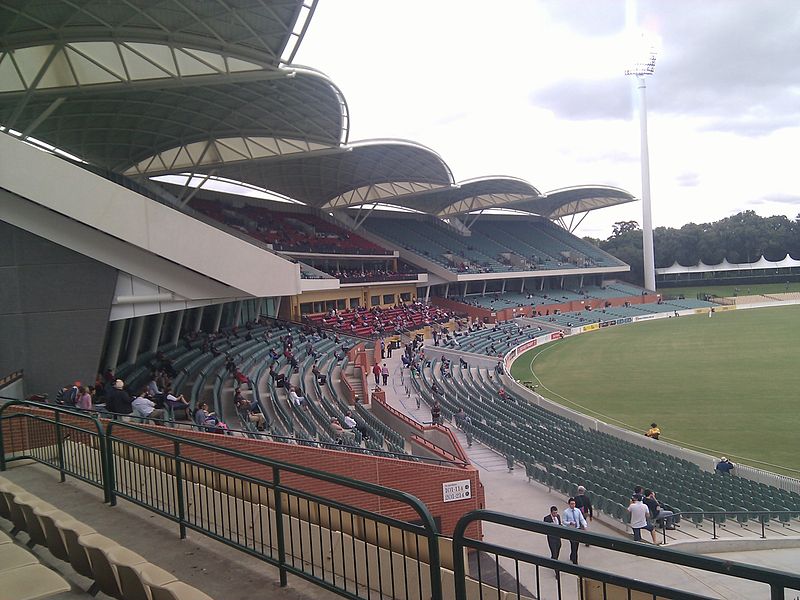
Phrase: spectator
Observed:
(340, 434)
(553, 541)
(296, 397)
(584, 504)
(351, 424)
(573, 517)
(376, 371)
(639, 519)
(173, 402)
(725, 466)
(436, 413)
(385, 374)
(145, 408)
(84, 401)
(654, 432)
(657, 511)
(118, 401)
(208, 420)
(459, 417)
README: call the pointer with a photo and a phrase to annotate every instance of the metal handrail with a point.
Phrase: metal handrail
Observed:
(720, 516)
(777, 581)
(117, 454)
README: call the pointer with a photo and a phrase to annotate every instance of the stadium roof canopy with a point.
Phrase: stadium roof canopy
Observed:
(141, 86)
(472, 195)
(359, 173)
(154, 87)
(573, 200)
(266, 32)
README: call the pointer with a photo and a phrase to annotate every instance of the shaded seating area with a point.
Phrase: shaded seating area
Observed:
(296, 232)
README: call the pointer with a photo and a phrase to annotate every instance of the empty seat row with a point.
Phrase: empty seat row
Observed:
(116, 571)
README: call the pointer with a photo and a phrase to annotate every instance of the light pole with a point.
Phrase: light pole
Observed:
(644, 66)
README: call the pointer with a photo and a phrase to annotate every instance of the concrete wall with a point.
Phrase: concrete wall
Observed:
(54, 308)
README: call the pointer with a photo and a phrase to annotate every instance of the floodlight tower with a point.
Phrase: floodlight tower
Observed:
(645, 65)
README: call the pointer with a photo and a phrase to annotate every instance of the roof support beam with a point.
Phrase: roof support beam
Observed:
(32, 87)
(45, 113)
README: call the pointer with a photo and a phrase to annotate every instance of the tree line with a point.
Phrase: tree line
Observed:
(741, 238)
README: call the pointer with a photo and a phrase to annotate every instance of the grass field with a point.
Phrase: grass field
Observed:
(731, 290)
(725, 385)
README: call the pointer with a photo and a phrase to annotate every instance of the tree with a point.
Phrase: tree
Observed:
(623, 227)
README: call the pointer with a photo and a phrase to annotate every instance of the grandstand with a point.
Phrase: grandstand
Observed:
(123, 261)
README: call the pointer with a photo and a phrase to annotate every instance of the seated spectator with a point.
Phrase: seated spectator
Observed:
(296, 397)
(340, 434)
(208, 421)
(145, 408)
(350, 424)
(725, 466)
(174, 402)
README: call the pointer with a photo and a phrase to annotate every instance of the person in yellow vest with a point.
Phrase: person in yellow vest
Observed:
(654, 432)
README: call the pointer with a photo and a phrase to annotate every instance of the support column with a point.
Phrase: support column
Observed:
(427, 294)
(522, 287)
(218, 317)
(114, 343)
(503, 288)
(135, 339)
(259, 306)
(176, 326)
(237, 317)
(446, 290)
(155, 334)
(198, 319)
(484, 288)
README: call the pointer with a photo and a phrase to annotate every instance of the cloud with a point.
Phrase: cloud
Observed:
(688, 179)
(586, 100)
(782, 198)
(733, 61)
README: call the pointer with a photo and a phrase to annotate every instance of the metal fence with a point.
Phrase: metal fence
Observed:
(359, 540)
(540, 576)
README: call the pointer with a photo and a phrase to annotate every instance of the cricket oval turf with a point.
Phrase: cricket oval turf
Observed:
(728, 385)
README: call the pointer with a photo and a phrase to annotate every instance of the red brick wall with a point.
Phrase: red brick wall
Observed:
(421, 480)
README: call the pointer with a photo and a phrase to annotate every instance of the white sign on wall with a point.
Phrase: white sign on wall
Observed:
(456, 490)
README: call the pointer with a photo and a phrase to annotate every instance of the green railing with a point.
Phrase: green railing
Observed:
(529, 569)
(354, 538)
(260, 506)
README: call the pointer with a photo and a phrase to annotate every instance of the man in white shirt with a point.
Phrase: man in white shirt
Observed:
(144, 407)
(573, 517)
(639, 513)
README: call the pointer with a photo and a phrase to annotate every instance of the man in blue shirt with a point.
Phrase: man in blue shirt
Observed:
(573, 517)
(725, 466)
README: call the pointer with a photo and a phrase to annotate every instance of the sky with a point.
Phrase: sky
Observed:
(536, 89)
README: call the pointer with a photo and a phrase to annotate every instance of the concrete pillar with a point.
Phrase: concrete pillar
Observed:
(483, 293)
(259, 306)
(198, 319)
(155, 333)
(114, 344)
(135, 339)
(503, 289)
(177, 323)
(522, 287)
(237, 318)
(218, 317)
